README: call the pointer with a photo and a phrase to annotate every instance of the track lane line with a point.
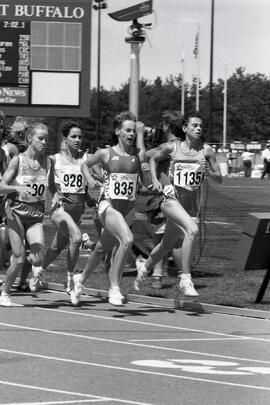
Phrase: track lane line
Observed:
(127, 343)
(134, 371)
(153, 324)
(90, 397)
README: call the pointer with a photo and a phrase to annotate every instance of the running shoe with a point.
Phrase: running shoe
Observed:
(141, 273)
(35, 280)
(24, 288)
(157, 282)
(186, 286)
(75, 294)
(5, 300)
(115, 296)
(68, 284)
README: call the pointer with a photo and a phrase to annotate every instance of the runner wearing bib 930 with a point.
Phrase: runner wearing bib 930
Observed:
(68, 203)
(25, 181)
(191, 159)
(121, 169)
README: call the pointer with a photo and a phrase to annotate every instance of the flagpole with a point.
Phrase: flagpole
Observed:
(198, 69)
(183, 80)
(225, 108)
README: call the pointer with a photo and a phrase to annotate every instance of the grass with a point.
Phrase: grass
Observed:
(215, 275)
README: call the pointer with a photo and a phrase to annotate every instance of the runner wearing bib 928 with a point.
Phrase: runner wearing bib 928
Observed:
(191, 160)
(68, 203)
(122, 165)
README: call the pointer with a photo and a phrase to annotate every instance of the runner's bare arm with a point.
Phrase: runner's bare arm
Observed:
(158, 154)
(5, 185)
(213, 169)
(101, 156)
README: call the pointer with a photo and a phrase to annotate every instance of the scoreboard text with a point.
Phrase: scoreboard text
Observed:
(45, 58)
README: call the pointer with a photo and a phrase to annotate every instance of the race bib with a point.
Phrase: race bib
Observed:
(72, 180)
(188, 175)
(122, 186)
(37, 187)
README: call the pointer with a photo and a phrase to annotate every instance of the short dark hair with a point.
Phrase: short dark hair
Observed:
(121, 117)
(174, 120)
(68, 126)
(192, 114)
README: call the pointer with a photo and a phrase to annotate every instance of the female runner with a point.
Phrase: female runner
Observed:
(25, 181)
(121, 169)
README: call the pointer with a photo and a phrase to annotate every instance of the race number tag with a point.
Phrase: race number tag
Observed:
(122, 186)
(72, 180)
(188, 175)
(37, 187)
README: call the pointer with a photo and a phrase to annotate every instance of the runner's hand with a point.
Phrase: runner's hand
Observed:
(206, 166)
(24, 191)
(156, 187)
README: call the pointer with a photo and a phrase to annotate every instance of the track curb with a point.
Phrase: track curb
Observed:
(177, 304)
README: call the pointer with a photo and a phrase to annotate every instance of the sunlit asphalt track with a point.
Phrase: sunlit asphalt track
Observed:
(53, 353)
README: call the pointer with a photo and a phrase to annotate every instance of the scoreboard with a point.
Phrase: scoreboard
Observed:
(45, 57)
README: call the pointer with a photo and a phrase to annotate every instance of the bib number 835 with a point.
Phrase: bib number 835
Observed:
(123, 188)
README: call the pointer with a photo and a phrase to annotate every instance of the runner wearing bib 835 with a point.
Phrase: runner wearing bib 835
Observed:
(191, 159)
(121, 169)
(68, 203)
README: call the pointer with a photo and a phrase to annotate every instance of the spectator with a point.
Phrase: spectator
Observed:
(247, 162)
(266, 161)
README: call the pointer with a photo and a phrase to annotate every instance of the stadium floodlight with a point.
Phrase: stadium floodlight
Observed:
(133, 12)
(136, 39)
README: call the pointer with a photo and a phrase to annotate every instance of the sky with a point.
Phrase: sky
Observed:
(241, 38)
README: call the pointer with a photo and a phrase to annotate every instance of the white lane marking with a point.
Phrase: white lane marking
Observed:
(203, 366)
(127, 343)
(90, 397)
(185, 340)
(77, 401)
(239, 186)
(136, 371)
(219, 223)
(153, 324)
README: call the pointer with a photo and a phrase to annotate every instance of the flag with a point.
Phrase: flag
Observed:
(196, 46)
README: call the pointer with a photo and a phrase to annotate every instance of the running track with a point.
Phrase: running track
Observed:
(53, 353)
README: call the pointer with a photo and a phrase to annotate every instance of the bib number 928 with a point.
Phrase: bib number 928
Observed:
(71, 180)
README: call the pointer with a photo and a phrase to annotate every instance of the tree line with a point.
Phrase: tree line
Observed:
(248, 107)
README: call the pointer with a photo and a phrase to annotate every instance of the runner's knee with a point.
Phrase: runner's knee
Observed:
(192, 231)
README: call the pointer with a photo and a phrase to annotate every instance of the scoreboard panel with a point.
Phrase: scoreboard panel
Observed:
(45, 58)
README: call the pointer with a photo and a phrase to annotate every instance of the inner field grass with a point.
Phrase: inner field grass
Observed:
(214, 273)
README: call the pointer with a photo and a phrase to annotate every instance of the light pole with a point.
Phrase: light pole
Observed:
(211, 71)
(100, 4)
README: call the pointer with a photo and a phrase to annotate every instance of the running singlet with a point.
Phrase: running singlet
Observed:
(68, 175)
(70, 183)
(187, 173)
(120, 179)
(36, 180)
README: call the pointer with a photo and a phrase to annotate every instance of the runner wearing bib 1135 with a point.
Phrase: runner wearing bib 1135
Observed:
(190, 160)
